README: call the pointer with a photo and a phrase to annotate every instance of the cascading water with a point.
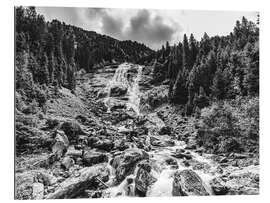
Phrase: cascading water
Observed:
(127, 76)
(120, 79)
(134, 93)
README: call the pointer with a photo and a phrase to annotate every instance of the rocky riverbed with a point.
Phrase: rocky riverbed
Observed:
(117, 136)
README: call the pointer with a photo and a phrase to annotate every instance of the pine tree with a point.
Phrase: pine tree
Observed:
(193, 50)
(186, 54)
(252, 72)
(180, 92)
(219, 85)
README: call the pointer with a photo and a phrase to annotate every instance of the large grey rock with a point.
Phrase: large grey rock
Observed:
(88, 180)
(38, 191)
(125, 162)
(117, 91)
(106, 145)
(186, 183)
(61, 144)
(144, 178)
(72, 129)
(93, 157)
(182, 154)
(219, 186)
(67, 162)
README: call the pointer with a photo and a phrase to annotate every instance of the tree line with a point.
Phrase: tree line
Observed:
(214, 68)
(48, 54)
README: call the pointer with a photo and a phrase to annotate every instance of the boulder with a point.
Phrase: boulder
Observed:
(165, 130)
(73, 153)
(106, 145)
(38, 191)
(171, 162)
(72, 129)
(219, 187)
(186, 183)
(58, 149)
(144, 179)
(60, 136)
(161, 142)
(67, 162)
(23, 185)
(29, 184)
(180, 154)
(61, 144)
(44, 177)
(89, 179)
(125, 162)
(92, 140)
(93, 157)
(121, 145)
(117, 91)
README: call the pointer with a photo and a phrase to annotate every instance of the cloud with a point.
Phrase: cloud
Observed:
(150, 30)
(95, 12)
(150, 27)
(143, 26)
(112, 26)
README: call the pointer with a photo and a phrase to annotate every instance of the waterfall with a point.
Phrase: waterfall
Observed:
(120, 80)
(134, 93)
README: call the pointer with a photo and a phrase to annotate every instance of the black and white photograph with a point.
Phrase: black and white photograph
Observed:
(135, 102)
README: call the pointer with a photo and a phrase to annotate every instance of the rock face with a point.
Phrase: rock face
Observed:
(144, 178)
(93, 157)
(75, 186)
(187, 183)
(125, 162)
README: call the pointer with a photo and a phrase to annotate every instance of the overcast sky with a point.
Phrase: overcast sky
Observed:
(152, 27)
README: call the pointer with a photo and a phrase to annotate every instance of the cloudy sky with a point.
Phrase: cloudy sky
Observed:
(152, 27)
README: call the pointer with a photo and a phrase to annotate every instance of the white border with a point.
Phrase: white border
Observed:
(7, 86)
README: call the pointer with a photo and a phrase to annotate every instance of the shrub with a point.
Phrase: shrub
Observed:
(230, 126)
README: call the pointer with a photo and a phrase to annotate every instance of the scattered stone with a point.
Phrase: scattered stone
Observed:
(181, 155)
(38, 191)
(224, 160)
(171, 161)
(93, 157)
(186, 183)
(240, 182)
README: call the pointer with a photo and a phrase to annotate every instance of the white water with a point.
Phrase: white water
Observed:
(120, 79)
